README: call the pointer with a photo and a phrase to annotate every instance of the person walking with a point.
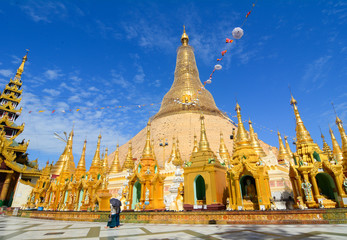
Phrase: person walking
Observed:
(113, 221)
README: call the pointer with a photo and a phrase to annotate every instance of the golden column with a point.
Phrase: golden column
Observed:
(5, 187)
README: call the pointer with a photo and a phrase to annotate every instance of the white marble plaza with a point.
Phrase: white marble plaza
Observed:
(26, 228)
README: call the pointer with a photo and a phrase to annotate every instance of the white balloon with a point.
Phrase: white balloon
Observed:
(218, 67)
(208, 81)
(237, 33)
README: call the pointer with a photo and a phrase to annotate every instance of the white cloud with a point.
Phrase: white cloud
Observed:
(119, 79)
(315, 73)
(52, 74)
(16, 60)
(6, 73)
(52, 92)
(44, 10)
(64, 85)
(140, 76)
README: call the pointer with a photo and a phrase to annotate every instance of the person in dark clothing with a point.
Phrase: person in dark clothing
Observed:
(114, 215)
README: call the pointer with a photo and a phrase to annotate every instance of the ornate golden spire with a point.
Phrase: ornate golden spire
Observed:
(67, 157)
(81, 166)
(147, 151)
(203, 144)
(173, 150)
(129, 163)
(343, 137)
(186, 86)
(282, 152)
(336, 147)
(223, 151)
(177, 160)
(21, 67)
(184, 38)
(289, 151)
(115, 166)
(254, 141)
(302, 135)
(96, 162)
(105, 162)
(241, 136)
(326, 148)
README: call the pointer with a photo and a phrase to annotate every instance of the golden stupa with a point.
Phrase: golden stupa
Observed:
(179, 115)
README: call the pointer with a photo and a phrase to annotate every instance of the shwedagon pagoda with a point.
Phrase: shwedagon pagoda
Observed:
(211, 163)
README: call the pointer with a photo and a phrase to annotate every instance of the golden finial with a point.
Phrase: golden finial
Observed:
(21, 67)
(254, 141)
(336, 147)
(147, 150)
(96, 162)
(282, 152)
(177, 160)
(326, 148)
(105, 162)
(115, 166)
(173, 150)
(129, 163)
(81, 167)
(184, 38)
(302, 135)
(343, 137)
(289, 151)
(242, 135)
(203, 144)
(195, 148)
(223, 151)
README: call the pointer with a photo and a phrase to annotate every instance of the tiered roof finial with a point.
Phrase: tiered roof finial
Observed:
(21, 67)
(242, 136)
(223, 151)
(105, 162)
(203, 144)
(115, 166)
(129, 163)
(184, 38)
(343, 137)
(147, 151)
(96, 162)
(289, 151)
(283, 154)
(254, 141)
(336, 147)
(326, 148)
(81, 166)
(302, 135)
(177, 160)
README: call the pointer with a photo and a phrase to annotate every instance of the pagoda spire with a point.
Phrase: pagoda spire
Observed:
(96, 159)
(129, 163)
(81, 166)
(302, 135)
(282, 152)
(186, 86)
(173, 150)
(67, 157)
(195, 148)
(336, 147)
(241, 136)
(254, 141)
(289, 151)
(105, 162)
(223, 151)
(147, 151)
(326, 148)
(115, 166)
(343, 138)
(203, 144)
(9, 100)
(21, 68)
(177, 160)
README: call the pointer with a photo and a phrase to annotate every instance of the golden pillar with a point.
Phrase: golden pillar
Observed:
(5, 187)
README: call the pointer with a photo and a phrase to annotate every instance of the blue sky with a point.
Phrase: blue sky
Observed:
(92, 54)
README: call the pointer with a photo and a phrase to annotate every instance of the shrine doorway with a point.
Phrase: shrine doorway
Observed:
(248, 187)
(136, 194)
(199, 190)
(326, 186)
